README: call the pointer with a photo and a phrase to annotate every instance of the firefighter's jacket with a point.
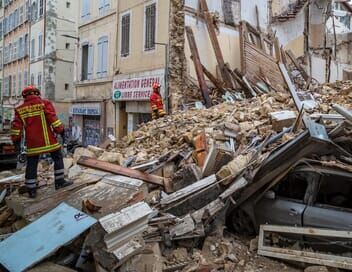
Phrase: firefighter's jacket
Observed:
(156, 101)
(37, 117)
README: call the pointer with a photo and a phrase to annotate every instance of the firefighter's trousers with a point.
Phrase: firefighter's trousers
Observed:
(32, 167)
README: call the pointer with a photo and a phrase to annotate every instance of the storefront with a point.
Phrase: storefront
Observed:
(131, 96)
(87, 123)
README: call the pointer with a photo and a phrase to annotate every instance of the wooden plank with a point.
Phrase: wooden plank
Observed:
(297, 65)
(199, 185)
(198, 67)
(308, 231)
(277, 50)
(119, 170)
(215, 43)
(43, 237)
(304, 256)
(219, 85)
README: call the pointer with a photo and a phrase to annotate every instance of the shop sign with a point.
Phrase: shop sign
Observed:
(86, 109)
(135, 89)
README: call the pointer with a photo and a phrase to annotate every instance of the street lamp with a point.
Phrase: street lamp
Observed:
(166, 76)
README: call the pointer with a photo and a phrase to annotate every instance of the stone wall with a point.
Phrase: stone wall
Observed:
(177, 58)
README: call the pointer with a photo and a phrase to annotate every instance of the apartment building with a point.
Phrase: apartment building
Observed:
(52, 50)
(92, 110)
(15, 31)
(142, 56)
(37, 49)
(1, 56)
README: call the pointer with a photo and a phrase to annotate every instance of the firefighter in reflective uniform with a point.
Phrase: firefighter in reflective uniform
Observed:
(37, 117)
(156, 102)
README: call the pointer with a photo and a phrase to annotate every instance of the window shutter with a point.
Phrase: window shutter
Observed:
(19, 83)
(107, 4)
(101, 5)
(90, 61)
(100, 57)
(105, 57)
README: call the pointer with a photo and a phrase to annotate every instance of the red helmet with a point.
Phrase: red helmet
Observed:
(156, 85)
(30, 90)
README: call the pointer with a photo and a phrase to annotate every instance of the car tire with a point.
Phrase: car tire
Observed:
(242, 223)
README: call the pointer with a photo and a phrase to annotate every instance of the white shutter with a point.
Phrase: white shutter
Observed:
(107, 4)
(101, 6)
(105, 57)
(88, 8)
(90, 61)
(99, 61)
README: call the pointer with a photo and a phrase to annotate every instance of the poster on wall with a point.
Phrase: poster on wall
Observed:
(137, 88)
(91, 134)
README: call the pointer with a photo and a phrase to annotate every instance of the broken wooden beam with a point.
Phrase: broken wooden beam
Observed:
(215, 43)
(219, 85)
(120, 170)
(297, 65)
(325, 259)
(198, 67)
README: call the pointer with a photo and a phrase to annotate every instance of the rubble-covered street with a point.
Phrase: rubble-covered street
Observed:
(230, 170)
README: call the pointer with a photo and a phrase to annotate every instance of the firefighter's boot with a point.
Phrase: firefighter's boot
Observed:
(62, 184)
(32, 193)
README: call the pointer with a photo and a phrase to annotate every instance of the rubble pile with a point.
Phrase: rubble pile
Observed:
(194, 162)
(161, 199)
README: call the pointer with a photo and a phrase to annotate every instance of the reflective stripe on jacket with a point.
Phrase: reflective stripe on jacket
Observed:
(37, 117)
(156, 101)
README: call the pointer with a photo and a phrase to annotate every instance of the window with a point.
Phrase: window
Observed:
(125, 34)
(34, 11)
(20, 47)
(10, 22)
(84, 62)
(68, 4)
(10, 53)
(293, 187)
(21, 14)
(17, 18)
(5, 54)
(1, 30)
(26, 45)
(102, 57)
(19, 83)
(104, 5)
(32, 79)
(335, 190)
(1, 64)
(25, 78)
(39, 81)
(40, 45)
(14, 90)
(27, 11)
(41, 8)
(67, 86)
(14, 56)
(150, 23)
(6, 86)
(5, 25)
(33, 49)
(67, 45)
(85, 12)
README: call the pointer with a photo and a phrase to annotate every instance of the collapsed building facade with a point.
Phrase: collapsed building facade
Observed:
(152, 45)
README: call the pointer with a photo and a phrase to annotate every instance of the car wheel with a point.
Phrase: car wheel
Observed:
(242, 223)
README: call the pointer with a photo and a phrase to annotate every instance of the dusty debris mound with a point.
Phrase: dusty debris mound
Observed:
(158, 137)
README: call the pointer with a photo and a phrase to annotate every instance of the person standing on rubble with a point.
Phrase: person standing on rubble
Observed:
(37, 118)
(156, 102)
